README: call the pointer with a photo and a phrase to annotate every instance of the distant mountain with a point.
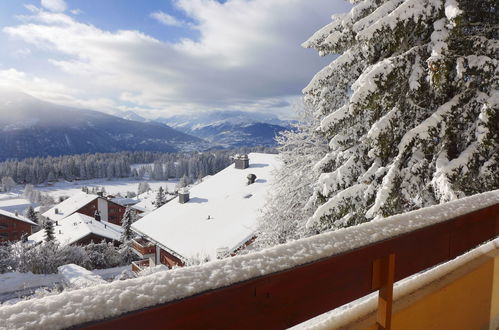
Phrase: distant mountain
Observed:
(130, 115)
(30, 127)
(230, 128)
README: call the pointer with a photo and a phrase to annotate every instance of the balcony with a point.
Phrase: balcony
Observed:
(425, 252)
(138, 266)
(143, 246)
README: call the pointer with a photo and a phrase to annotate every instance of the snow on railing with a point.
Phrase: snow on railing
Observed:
(110, 300)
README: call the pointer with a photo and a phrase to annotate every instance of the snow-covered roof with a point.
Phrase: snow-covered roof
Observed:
(78, 226)
(124, 201)
(16, 216)
(222, 212)
(69, 206)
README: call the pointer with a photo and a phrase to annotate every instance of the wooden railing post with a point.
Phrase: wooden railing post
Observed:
(383, 278)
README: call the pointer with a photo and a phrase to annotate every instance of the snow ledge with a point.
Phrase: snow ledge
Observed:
(108, 300)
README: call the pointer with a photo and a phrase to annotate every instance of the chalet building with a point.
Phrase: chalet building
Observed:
(80, 229)
(213, 219)
(90, 205)
(13, 226)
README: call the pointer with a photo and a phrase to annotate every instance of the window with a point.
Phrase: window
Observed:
(3, 226)
(4, 235)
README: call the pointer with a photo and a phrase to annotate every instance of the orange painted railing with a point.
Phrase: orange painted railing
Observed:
(143, 246)
(288, 297)
(140, 265)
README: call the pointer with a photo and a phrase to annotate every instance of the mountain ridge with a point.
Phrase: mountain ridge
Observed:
(33, 128)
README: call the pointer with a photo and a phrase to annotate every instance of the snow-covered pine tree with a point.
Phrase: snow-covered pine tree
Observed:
(30, 214)
(126, 223)
(299, 149)
(410, 107)
(143, 187)
(7, 263)
(160, 198)
(49, 231)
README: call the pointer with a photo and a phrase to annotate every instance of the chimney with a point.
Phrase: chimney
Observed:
(97, 215)
(57, 223)
(17, 214)
(56, 210)
(251, 179)
(241, 161)
(183, 195)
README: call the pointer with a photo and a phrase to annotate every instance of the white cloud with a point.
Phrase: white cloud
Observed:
(166, 19)
(23, 52)
(54, 5)
(32, 8)
(247, 56)
(76, 11)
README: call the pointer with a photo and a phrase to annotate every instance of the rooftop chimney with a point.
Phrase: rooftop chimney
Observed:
(241, 161)
(183, 195)
(251, 179)
(56, 210)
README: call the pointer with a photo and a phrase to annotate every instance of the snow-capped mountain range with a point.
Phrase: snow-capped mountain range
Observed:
(230, 128)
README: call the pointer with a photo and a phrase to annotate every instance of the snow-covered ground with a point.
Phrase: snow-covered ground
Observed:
(19, 286)
(119, 297)
(15, 202)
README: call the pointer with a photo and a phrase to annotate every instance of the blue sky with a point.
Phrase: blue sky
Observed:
(162, 58)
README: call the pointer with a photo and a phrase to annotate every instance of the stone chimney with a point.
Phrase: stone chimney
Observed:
(241, 161)
(183, 195)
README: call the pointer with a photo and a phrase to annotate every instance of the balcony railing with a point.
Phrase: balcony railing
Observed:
(138, 266)
(143, 246)
(286, 285)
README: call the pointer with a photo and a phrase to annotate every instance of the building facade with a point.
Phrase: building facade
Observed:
(13, 227)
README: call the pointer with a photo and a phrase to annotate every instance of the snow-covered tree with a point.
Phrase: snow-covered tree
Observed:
(7, 263)
(8, 183)
(285, 213)
(160, 197)
(30, 214)
(183, 182)
(49, 231)
(128, 218)
(143, 187)
(28, 192)
(410, 107)
(102, 255)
